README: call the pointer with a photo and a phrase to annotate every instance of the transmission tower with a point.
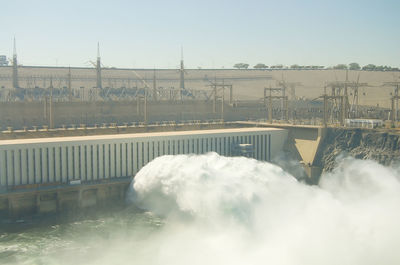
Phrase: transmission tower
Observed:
(218, 92)
(340, 88)
(286, 88)
(289, 87)
(283, 98)
(340, 99)
(394, 101)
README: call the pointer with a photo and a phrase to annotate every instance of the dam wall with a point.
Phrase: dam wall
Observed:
(89, 169)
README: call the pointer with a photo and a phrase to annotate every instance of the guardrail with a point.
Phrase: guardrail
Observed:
(73, 127)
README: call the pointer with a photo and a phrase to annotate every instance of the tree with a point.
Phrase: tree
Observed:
(340, 67)
(241, 66)
(294, 66)
(278, 66)
(354, 66)
(260, 66)
(388, 68)
(369, 67)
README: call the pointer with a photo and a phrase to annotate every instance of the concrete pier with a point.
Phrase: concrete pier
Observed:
(303, 143)
(39, 200)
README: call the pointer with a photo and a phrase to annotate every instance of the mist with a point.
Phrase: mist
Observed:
(221, 210)
(210, 209)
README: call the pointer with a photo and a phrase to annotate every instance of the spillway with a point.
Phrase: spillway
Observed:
(89, 164)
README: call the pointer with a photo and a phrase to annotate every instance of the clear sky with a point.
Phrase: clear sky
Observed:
(147, 34)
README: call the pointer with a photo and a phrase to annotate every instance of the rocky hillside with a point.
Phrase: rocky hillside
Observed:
(382, 147)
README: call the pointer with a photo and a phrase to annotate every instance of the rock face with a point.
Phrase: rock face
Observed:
(382, 147)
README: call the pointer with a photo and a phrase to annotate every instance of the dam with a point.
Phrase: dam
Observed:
(55, 174)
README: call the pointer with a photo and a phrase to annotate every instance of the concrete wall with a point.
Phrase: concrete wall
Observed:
(91, 159)
(67, 200)
(304, 144)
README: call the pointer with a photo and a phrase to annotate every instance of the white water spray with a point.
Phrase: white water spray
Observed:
(223, 210)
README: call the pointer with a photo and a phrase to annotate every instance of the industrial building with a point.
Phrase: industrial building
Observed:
(3, 60)
(101, 158)
(364, 123)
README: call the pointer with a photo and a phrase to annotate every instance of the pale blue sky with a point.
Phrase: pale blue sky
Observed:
(144, 34)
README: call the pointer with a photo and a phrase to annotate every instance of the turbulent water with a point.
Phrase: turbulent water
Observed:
(210, 209)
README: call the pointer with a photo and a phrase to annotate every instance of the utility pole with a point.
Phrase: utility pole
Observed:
(325, 123)
(283, 101)
(138, 105)
(230, 95)
(46, 111)
(396, 105)
(98, 68)
(395, 109)
(15, 66)
(69, 85)
(182, 75)
(215, 96)
(145, 106)
(154, 86)
(222, 103)
(342, 110)
(345, 98)
(325, 117)
(270, 106)
(285, 108)
(265, 97)
(138, 100)
(51, 114)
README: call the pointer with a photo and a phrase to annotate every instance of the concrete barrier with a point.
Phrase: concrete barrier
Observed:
(59, 199)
